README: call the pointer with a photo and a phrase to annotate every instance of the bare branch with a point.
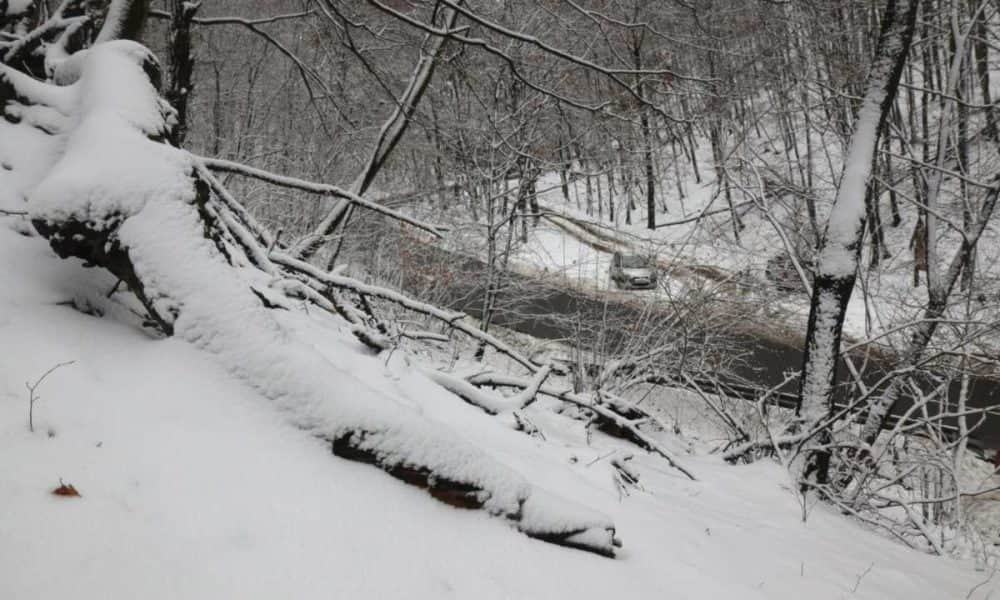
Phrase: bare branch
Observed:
(218, 164)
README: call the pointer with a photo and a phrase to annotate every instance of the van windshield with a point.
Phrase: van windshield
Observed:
(634, 262)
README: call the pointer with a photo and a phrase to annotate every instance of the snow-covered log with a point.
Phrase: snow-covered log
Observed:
(119, 198)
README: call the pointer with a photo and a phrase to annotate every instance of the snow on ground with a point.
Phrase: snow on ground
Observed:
(195, 486)
(551, 251)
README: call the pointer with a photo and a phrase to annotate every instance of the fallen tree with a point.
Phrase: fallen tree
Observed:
(112, 193)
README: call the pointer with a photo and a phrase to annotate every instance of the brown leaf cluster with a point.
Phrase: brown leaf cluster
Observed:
(66, 490)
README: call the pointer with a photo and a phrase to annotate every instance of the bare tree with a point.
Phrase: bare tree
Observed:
(840, 245)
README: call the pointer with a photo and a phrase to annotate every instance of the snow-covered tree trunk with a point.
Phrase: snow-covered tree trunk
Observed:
(124, 20)
(840, 247)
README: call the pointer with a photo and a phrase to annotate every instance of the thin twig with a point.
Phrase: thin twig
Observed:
(32, 387)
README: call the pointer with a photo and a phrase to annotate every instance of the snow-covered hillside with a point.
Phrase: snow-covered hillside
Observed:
(194, 486)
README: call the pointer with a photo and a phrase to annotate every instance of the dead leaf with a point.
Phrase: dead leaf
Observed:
(66, 490)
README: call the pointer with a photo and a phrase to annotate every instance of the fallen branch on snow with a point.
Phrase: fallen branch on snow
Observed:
(609, 409)
(491, 404)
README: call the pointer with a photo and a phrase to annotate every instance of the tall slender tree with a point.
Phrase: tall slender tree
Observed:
(840, 245)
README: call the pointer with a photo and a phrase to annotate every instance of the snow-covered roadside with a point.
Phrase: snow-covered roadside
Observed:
(195, 487)
(550, 252)
(883, 299)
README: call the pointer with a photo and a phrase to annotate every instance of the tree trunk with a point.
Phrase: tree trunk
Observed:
(840, 246)
(181, 65)
(647, 158)
(646, 130)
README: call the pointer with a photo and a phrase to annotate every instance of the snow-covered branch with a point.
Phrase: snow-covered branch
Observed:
(608, 408)
(490, 403)
(11, 52)
(389, 136)
(454, 320)
(218, 164)
(124, 20)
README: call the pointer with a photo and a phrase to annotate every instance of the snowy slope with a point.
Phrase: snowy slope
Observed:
(195, 486)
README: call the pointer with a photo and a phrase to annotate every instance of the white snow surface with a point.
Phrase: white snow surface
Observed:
(194, 486)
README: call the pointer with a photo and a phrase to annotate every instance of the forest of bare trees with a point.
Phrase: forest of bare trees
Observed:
(388, 160)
